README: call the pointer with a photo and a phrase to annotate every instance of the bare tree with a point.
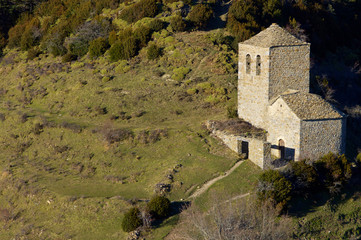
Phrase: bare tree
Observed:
(231, 220)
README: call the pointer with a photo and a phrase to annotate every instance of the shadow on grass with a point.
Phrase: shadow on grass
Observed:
(175, 209)
(301, 206)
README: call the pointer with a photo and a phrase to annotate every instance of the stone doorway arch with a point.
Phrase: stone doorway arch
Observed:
(281, 148)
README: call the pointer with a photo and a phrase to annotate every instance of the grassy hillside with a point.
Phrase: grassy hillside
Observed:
(101, 102)
(90, 136)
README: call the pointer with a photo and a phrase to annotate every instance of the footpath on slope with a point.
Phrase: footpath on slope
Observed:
(208, 184)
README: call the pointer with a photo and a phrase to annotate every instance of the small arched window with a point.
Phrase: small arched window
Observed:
(258, 65)
(248, 63)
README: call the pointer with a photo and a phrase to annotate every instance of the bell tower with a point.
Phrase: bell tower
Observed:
(269, 64)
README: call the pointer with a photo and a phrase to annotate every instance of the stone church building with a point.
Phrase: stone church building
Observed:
(273, 94)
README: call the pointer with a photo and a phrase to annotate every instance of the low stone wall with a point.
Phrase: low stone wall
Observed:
(259, 151)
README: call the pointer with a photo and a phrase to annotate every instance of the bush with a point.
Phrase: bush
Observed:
(31, 35)
(333, 169)
(142, 35)
(153, 51)
(177, 24)
(112, 37)
(232, 112)
(200, 15)
(242, 19)
(131, 220)
(303, 176)
(159, 207)
(87, 32)
(69, 57)
(275, 187)
(156, 25)
(53, 42)
(123, 50)
(139, 10)
(15, 34)
(180, 73)
(115, 135)
(98, 47)
(33, 53)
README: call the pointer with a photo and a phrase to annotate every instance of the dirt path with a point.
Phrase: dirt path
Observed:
(208, 184)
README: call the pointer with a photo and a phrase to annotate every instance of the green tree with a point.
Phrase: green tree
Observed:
(139, 10)
(132, 220)
(243, 19)
(200, 15)
(98, 47)
(153, 51)
(333, 169)
(303, 175)
(177, 24)
(159, 206)
(272, 185)
(123, 50)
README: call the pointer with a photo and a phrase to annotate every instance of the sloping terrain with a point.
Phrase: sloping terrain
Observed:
(88, 137)
(102, 104)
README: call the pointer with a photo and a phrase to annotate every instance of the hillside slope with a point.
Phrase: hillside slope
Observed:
(102, 105)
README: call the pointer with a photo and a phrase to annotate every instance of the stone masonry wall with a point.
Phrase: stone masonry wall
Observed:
(260, 153)
(289, 69)
(284, 124)
(259, 150)
(253, 88)
(319, 137)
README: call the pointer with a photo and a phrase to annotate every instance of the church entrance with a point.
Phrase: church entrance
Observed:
(281, 148)
(244, 149)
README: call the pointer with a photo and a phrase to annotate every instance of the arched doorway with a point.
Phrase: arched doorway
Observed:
(281, 148)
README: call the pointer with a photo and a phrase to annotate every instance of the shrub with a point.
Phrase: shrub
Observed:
(303, 176)
(122, 67)
(116, 135)
(123, 50)
(156, 25)
(139, 10)
(15, 34)
(192, 91)
(275, 187)
(153, 51)
(333, 169)
(53, 41)
(242, 19)
(131, 220)
(358, 158)
(112, 37)
(33, 53)
(159, 206)
(200, 15)
(180, 73)
(87, 32)
(100, 5)
(69, 57)
(31, 35)
(98, 47)
(142, 35)
(232, 112)
(177, 24)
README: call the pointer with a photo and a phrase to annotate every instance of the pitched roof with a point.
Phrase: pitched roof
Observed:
(308, 106)
(273, 36)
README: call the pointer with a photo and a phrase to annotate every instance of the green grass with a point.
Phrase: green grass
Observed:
(66, 176)
(243, 180)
